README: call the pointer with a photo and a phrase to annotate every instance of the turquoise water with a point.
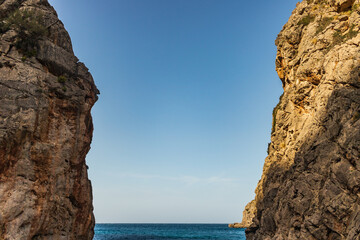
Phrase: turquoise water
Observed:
(167, 231)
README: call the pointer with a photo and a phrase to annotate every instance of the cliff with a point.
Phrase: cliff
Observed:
(46, 96)
(310, 184)
(248, 215)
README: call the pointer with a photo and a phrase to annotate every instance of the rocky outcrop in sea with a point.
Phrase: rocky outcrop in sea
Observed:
(310, 184)
(46, 128)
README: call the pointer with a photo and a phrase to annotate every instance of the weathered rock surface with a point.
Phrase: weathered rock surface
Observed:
(45, 133)
(248, 215)
(311, 178)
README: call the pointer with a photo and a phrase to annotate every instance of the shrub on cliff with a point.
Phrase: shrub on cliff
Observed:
(29, 27)
(339, 37)
(323, 24)
(306, 20)
(62, 79)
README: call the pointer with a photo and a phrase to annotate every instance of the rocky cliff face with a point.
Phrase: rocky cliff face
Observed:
(248, 215)
(46, 96)
(311, 178)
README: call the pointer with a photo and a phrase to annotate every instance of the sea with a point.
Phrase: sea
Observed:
(167, 232)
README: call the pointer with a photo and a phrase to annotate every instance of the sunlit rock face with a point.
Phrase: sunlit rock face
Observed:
(46, 128)
(311, 178)
(248, 215)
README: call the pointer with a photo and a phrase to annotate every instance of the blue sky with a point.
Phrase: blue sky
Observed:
(184, 116)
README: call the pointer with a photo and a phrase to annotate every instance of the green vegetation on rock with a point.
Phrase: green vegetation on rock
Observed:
(338, 37)
(356, 116)
(29, 27)
(62, 79)
(324, 22)
(306, 20)
(355, 7)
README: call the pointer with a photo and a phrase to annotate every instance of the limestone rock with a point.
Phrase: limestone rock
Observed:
(45, 130)
(342, 5)
(310, 184)
(248, 215)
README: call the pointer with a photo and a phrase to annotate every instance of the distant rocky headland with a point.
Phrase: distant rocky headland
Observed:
(248, 215)
(310, 184)
(46, 128)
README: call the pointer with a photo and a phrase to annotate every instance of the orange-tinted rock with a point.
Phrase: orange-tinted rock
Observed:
(248, 215)
(311, 178)
(45, 133)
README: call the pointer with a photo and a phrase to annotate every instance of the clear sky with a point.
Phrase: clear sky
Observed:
(184, 116)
